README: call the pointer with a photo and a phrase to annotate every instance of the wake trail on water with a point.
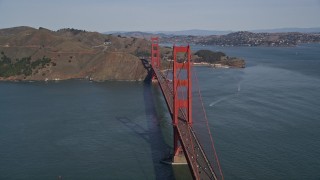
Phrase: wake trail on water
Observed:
(226, 97)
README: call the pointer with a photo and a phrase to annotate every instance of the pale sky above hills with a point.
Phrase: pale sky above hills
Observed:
(154, 15)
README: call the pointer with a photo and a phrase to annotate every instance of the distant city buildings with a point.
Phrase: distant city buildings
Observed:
(244, 38)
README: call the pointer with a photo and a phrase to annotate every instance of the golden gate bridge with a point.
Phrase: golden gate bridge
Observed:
(192, 139)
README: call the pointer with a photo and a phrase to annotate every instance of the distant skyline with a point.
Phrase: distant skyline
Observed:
(160, 15)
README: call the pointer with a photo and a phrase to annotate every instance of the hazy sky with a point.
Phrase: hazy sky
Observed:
(153, 15)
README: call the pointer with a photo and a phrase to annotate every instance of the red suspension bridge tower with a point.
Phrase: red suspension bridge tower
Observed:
(188, 146)
(182, 96)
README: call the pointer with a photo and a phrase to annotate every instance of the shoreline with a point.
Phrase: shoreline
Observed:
(78, 79)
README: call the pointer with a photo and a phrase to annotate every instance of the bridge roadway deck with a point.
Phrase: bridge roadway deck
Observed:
(194, 152)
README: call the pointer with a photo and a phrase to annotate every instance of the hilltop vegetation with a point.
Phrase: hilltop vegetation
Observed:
(209, 56)
(22, 66)
(218, 58)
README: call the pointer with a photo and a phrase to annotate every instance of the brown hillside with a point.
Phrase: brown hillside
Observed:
(75, 54)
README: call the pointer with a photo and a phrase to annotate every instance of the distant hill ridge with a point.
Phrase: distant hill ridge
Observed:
(199, 32)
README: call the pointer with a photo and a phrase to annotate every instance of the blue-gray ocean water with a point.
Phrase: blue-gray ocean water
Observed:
(265, 120)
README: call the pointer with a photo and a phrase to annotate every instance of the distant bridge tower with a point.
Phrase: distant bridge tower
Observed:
(155, 54)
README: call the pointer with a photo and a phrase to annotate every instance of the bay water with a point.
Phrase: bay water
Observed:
(265, 121)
